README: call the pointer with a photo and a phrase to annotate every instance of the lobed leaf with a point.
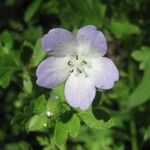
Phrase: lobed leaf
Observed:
(91, 121)
(8, 66)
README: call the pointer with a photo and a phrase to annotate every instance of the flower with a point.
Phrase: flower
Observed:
(79, 61)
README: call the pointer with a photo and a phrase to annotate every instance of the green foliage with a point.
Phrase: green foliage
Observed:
(142, 56)
(7, 41)
(63, 129)
(141, 94)
(27, 83)
(91, 121)
(60, 133)
(122, 29)
(22, 145)
(74, 126)
(8, 67)
(59, 91)
(37, 123)
(38, 54)
(39, 105)
(31, 10)
(36, 118)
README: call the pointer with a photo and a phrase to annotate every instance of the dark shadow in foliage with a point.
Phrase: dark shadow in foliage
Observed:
(100, 114)
(26, 54)
(65, 117)
(97, 100)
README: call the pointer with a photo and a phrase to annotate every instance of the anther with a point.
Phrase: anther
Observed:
(79, 71)
(71, 70)
(70, 63)
(84, 62)
(77, 57)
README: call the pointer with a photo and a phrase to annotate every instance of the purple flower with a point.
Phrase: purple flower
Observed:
(79, 61)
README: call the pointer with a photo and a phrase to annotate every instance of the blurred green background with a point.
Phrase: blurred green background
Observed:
(126, 25)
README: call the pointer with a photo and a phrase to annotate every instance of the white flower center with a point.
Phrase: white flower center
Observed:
(78, 65)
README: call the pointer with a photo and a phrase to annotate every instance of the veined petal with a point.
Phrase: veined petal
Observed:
(58, 42)
(92, 39)
(79, 91)
(52, 72)
(103, 72)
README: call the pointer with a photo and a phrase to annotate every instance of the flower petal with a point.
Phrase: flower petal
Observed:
(103, 72)
(95, 39)
(79, 91)
(58, 42)
(52, 72)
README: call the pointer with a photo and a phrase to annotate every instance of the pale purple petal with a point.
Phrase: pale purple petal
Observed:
(52, 72)
(89, 35)
(58, 42)
(103, 72)
(79, 91)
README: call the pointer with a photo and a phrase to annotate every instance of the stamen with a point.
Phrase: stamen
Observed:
(84, 62)
(77, 57)
(79, 71)
(70, 63)
(71, 70)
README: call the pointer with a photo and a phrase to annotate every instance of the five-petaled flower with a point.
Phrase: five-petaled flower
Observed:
(79, 61)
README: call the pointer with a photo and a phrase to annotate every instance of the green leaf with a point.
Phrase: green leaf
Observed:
(28, 44)
(27, 82)
(37, 123)
(142, 93)
(60, 133)
(33, 33)
(8, 66)
(19, 119)
(19, 145)
(38, 54)
(142, 56)
(91, 121)
(39, 105)
(22, 118)
(71, 123)
(54, 107)
(31, 10)
(59, 91)
(74, 126)
(6, 41)
(123, 29)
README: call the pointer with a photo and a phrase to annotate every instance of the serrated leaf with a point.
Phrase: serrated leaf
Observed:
(8, 66)
(38, 54)
(37, 123)
(142, 55)
(91, 121)
(142, 93)
(123, 29)
(31, 10)
(71, 124)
